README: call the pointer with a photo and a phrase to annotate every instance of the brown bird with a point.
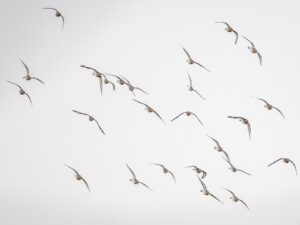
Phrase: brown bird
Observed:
(230, 29)
(165, 170)
(205, 191)
(79, 177)
(236, 199)
(198, 171)
(254, 50)
(191, 61)
(134, 180)
(234, 169)
(191, 88)
(218, 147)
(285, 160)
(28, 77)
(131, 87)
(268, 106)
(188, 113)
(149, 109)
(58, 14)
(91, 118)
(21, 91)
(244, 121)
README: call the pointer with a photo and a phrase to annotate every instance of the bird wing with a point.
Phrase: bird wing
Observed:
(51, 8)
(86, 184)
(72, 169)
(202, 183)
(234, 117)
(227, 156)
(249, 41)
(215, 197)
(186, 52)
(236, 36)
(190, 79)
(28, 97)
(197, 118)
(249, 129)
(101, 84)
(214, 140)
(156, 113)
(243, 172)
(191, 167)
(177, 116)
(140, 102)
(99, 127)
(278, 110)
(26, 67)
(157, 164)
(35, 78)
(63, 21)
(224, 23)
(202, 66)
(294, 166)
(265, 101)
(260, 58)
(228, 161)
(145, 185)
(75, 111)
(274, 162)
(244, 203)
(131, 171)
(172, 174)
(199, 94)
(15, 84)
(141, 90)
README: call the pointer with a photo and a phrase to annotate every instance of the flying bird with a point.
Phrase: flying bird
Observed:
(244, 121)
(120, 80)
(268, 106)
(254, 50)
(165, 170)
(28, 77)
(149, 109)
(188, 113)
(97, 74)
(236, 199)
(21, 91)
(205, 191)
(285, 160)
(198, 171)
(58, 14)
(91, 118)
(233, 168)
(134, 180)
(230, 29)
(218, 147)
(191, 61)
(191, 88)
(131, 87)
(79, 177)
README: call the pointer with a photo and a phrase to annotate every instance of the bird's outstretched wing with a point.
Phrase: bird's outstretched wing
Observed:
(86, 184)
(75, 171)
(278, 110)
(233, 195)
(157, 164)
(202, 66)
(131, 171)
(186, 52)
(215, 198)
(243, 172)
(294, 166)
(224, 23)
(236, 36)
(28, 96)
(52, 9)
(26, 67)
(249, 41)
(202, 183)
(101, 85)
(99, 127)
(260, 58)
(81, 113)
(197, 118)
(249, 129)
(145, 185)
(226, 155)
(244, 203)
(63, 21)
(261, 99)
(177, 116)
(140, 102)
(172, 174)
(274, 162)
(39, 80)
(234, 117)
(198, 94)
(141, 90)
(156, 113)
(214, 140)
(190, 79)
(15, 84)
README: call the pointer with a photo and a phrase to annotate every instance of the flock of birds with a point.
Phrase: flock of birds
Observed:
(201, 174)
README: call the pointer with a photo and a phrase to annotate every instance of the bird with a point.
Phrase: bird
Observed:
(91, 118)
(198, 171)
(268, 106)
(120, 80)
(131, 87)
(165, 170)
(230, 29)
(106, 81)
(191, 61)
(58, 14)
(135, 181)
(236, 199)
(285, 160)
(191, 88)
(254, 50)
(205, 191)
(21, 91)
(79, 177)
(188, 113)
(149, 109)
(233, 168)
(28, 77)
(97, 74)
(244, 121)
(218, 147)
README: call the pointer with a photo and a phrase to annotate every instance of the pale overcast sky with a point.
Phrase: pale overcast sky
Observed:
(140, 40)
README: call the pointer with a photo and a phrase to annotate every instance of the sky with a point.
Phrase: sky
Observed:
(141, 41)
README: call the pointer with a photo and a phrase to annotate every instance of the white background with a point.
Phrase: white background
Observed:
(140, 40)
